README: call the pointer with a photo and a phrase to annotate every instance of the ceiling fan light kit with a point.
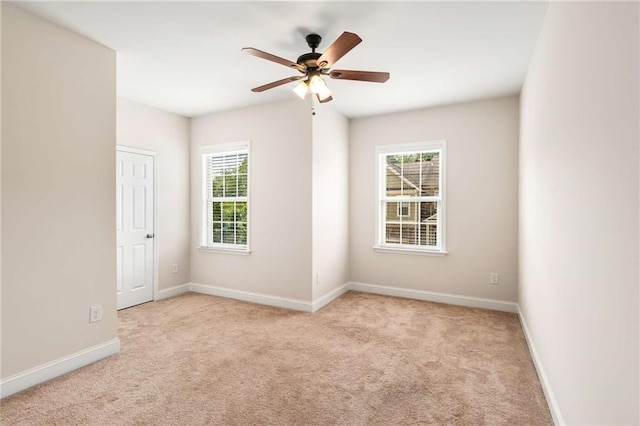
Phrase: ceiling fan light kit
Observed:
(316, 85)
(314, 65)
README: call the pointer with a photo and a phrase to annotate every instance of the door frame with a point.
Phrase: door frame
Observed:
(153, 154)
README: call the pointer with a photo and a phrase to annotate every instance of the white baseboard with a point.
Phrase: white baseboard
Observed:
(544, 380)
(34, 376)
(329, 297)
(301, 305)
(172, 291)
(247, 296)
(451, 299)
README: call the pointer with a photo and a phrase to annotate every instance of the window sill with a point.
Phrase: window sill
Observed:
(224, 250)
(398, 250)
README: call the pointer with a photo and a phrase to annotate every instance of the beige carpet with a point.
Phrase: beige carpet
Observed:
(364, 359)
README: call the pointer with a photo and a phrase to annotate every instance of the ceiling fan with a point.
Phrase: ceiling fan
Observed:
(314, 65)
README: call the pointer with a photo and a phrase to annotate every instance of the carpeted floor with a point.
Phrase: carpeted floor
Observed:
(364, 359)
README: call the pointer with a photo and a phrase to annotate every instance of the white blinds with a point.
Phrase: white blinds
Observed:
(225, 199)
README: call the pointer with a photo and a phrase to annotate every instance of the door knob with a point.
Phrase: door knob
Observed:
(151, 235)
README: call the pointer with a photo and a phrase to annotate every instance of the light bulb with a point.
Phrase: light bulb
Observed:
(301, 89)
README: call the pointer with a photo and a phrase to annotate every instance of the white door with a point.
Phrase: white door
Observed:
(135, 228)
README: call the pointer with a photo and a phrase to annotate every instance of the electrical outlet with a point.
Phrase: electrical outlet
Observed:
(494, 278)
(175, 268)
(318, 278)
(95, 314)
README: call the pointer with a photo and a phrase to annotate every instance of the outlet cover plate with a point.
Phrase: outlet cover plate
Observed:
(95, 314)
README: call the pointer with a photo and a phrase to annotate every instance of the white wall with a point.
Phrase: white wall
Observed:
(280, 200)
(58, 192)
(141, 126)
(482, 191)
(579, 209)
(330, 200)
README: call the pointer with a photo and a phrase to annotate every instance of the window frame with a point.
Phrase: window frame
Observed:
(381, 152)
(205, 219)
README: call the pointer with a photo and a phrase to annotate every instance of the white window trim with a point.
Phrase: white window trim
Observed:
(380, 246)
(229, 147)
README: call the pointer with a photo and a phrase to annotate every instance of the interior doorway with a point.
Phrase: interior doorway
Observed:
(135, 226)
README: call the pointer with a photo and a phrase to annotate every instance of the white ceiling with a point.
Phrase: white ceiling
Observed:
(185, 57)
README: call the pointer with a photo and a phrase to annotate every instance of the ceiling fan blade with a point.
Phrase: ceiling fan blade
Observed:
(276, 83)
(273, 58)
(325, 100)
(338, 49)
(376, 77)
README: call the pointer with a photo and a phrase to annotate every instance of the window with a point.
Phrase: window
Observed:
(410, 204)
(225, 196)
(403, 209)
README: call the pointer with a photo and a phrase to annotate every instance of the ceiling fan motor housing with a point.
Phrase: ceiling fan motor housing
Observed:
(310, 60)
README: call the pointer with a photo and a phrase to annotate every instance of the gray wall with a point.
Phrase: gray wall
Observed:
(579, 209)
(58, 192)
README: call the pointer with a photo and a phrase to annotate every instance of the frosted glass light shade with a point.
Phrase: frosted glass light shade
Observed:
(301, 89)
(319, 87)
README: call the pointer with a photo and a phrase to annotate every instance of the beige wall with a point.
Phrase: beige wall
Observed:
(330, 200)
(1, 4)
(280, 200)
(482, 191)
(141, 126)
(58, 193)
(579, 209)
